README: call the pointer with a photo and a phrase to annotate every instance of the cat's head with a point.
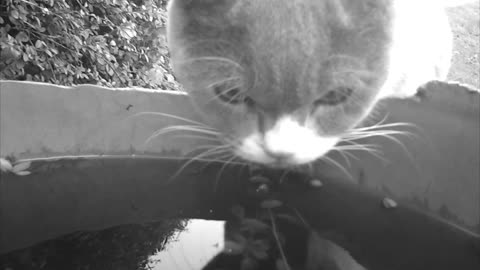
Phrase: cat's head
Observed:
(282, 80)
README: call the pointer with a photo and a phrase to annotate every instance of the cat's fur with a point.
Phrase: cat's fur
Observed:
(284, 60)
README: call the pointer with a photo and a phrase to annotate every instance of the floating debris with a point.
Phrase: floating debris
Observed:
(260, 179)
(316, 183)
(389, 203)
(18, 169)
(263, 189)
(269, 204)
(21, 166)
(5, 165)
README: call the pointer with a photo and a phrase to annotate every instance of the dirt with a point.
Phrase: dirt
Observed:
(465, 23)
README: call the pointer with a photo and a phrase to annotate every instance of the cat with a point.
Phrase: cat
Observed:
(284, 81)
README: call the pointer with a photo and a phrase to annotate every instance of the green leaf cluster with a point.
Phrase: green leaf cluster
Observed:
(114, 43)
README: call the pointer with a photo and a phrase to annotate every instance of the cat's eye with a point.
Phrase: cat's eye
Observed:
(334, 97)
(234, 96)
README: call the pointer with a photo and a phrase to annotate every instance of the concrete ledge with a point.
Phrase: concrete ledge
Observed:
(88, 168)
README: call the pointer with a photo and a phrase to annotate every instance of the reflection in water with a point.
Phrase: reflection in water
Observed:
(191, 248)
(169, 244)
(128, 247)
(249, 243)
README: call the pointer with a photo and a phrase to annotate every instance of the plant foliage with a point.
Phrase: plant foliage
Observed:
(115, 43)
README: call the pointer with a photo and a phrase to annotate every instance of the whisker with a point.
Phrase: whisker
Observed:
(344, 154)
(170, 116)
(192, 136)
(208, 146)
(202, 159)
(217, 179)
(345, 151)
(224, 80)
(224, 157)
(220, 149)
(401, 144)
(388, 135)
(368, 134)
(359, 147)
(338, 165)
(216, 150)
(213, 58)
(217, 95)
(192, 128)
(379, 129)
(360, 73)
(380, 124)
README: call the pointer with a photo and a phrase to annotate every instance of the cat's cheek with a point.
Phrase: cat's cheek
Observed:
(337, 120)
(233, 122)
(327, 121)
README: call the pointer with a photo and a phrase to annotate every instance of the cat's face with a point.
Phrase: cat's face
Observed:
(282, 80)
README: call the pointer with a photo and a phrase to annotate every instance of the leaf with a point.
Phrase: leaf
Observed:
(23, 173)
(14, 14)
(77, 39)
(39, 44)
(127, 31)
(22, 37)
(85, 33)
(22, 10)
(269, 204)
(5, 165)
(21, 166)
(233, 248)
(19, 64)
(30, 50)
(134, 48)
(109, 70)
(260, 179)
(255, 224)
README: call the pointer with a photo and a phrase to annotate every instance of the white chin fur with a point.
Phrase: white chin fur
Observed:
(287, 143)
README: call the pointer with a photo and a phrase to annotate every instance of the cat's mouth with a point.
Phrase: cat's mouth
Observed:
(287, 144)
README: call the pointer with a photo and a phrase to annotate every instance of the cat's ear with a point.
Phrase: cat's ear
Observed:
(198, 13)
(192, 6)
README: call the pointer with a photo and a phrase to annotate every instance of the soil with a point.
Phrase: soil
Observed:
(465, 23)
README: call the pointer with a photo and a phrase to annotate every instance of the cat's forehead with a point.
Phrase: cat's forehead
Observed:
(308, 24)
(282, 31)
(292, 16)
(285, 43)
